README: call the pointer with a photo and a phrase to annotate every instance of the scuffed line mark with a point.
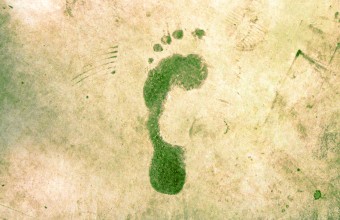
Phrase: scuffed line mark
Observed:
(335, 50)
(105, 64)
(288, 74)
(17, 211)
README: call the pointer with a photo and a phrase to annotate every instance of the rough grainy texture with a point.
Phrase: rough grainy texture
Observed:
(258, 139)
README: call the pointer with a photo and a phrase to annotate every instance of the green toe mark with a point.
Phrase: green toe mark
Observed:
(157, 48)
(178, 34)
(167, 170)
(166, 39)
(150, 60)
(198, 33)
(317, 194)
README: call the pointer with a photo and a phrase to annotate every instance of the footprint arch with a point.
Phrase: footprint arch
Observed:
(167, 170)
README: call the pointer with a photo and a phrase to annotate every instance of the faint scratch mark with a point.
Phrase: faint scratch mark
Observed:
(224, 101)
(191, 130)
(335, 50)
(313, 62)
(101, 65)
(17, 211)
(228, 127)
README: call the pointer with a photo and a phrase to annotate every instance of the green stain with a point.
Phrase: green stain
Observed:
(198, 33)
(6, 65)
(298, 53)
(167, 170)
(166, 39)
(309, 106)
(336, 15)
(317, 194)
(302, 130)
(68, 11)
(20, 110)
(17, 99)
(150, 60)
(315, 29)
(178, 34)
(157, 48)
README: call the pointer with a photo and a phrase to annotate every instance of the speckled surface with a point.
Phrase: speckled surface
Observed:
(260, 136)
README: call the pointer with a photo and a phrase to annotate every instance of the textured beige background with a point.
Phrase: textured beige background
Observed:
(82, 151)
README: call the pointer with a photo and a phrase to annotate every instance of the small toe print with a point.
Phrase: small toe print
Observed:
(157, 48)
(317, 194)
(200, 33)
(166, 39)
(178, 34)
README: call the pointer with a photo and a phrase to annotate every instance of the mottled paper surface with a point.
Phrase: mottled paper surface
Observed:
(259, 133)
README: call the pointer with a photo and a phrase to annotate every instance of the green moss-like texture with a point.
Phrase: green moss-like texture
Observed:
(166, 39)
(167, 171)
(150, 60)
(178, 34)
(157, 48)
(317, 194)
(198, 33)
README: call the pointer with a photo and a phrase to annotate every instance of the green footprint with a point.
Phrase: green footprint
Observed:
(167, 170)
